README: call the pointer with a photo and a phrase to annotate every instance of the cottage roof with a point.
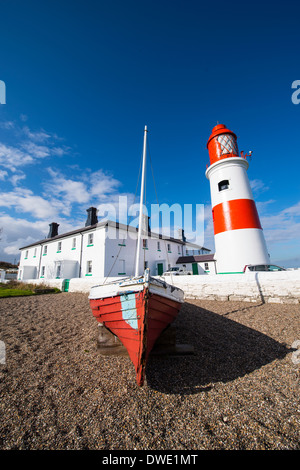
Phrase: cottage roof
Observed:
(116, 225)
(195, 258)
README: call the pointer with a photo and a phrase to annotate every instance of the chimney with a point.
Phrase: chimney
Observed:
(53, 230)
(181, 235)
(92, 218)
(145, 224)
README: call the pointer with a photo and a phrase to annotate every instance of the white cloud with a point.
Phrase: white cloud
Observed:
(293, 211)
(31, 147)
(12, 158)
(102, 185)
(15, 228)
(3, 175)
(16, 177)
(7, 124)
(283, 226)
(258, 186)
(39, 136)
(62, 195)
(60, 151)
(36, 151)
(69, 190)
(19, 232)
(94, 188)
(23, 200)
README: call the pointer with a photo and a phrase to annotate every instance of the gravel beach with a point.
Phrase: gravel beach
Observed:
(239, 390)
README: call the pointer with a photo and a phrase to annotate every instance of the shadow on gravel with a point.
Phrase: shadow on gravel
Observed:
(223, 351)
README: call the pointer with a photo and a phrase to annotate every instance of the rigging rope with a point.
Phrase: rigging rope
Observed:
(160, 215)
(136, 189)
(160, 218)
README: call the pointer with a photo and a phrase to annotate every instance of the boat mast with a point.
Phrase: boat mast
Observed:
(141, 206)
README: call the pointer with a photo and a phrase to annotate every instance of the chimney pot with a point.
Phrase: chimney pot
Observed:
(145, 224)
(181, 235)
(53, 230)
(92, 218)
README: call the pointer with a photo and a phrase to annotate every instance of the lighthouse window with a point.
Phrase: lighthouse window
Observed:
(228, 144)
(223, 185)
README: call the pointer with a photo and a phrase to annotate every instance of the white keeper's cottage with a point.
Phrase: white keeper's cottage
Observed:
(107, 249)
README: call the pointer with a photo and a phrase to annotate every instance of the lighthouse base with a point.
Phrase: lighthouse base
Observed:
(248, 247)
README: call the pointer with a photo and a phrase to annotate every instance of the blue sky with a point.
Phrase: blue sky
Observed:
(84, 78)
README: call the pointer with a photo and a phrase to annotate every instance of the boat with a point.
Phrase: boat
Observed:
(137, 309)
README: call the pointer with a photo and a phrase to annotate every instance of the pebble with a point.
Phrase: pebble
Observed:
(240, 389)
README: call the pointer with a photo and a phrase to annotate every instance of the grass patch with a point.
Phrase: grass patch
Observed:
(17, 289)
(14, 292)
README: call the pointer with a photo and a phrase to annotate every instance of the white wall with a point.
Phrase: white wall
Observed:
(119, 253)
(36, 258)
(105, 256)
(273, 287)
(29, 260)
(276, 287)
(93, 252)
(156, 252)
(201, 267)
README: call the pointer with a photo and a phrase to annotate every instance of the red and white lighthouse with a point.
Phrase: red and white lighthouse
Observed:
(239, 239)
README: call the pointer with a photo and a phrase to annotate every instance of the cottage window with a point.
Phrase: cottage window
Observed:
(58, 247)
(121, 271)
(45, 250)
(179, 249)
(158, 246)
(26, 254)
(145, 243)
(34, 254)
(90, 239)
(169, 247)
(206, 266)
(74, 244)
(58, 270)
(43, 271)
(89, 268)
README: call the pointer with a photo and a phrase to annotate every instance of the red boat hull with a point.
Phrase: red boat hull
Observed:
(137, 319)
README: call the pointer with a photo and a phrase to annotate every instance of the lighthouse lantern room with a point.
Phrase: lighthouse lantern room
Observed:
(239, 238)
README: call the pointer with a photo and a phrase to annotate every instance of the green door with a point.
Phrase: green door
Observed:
(195, 268)
(160, 268)
(66, 285)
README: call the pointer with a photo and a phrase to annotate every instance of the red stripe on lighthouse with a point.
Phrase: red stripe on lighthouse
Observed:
(235, 214)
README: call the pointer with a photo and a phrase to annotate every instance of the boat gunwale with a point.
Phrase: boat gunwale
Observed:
(139, 288)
